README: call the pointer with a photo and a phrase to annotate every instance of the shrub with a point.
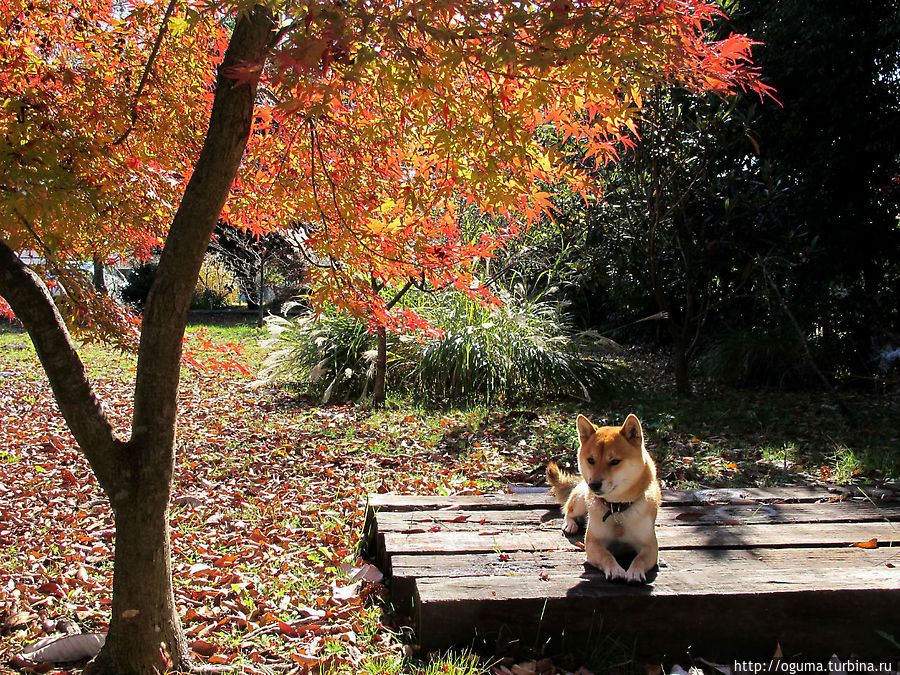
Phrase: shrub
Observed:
(137, 284)
(520, 351)
(771, 356)
(325, 356)
(209, 299)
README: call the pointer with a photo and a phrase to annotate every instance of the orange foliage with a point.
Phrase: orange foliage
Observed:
(382, 119)
(377, 122)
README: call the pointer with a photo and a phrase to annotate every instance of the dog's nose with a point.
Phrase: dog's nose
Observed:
(596, 486)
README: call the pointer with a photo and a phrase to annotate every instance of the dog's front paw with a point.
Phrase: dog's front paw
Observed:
(570, 526)
(614, 572)
(635, 575)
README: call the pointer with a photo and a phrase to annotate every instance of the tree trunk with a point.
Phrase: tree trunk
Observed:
(379, 393)
(681, 363)
(134, 640)
(98, 279)
(380, 389)
(261, 285)
(144, 630)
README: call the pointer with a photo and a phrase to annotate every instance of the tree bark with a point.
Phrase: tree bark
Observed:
(145, 629)
(681, 361)
(260, 290)
(379, 391)
(98, 278)
(33, 305)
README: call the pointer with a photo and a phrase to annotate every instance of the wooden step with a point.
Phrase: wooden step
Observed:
(740, 571)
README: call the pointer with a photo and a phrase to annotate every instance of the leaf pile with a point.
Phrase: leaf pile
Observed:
(267, 511)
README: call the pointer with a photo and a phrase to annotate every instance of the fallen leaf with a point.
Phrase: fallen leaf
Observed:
(18, 620)
(304, 659)
(344, 593)
(287, 629)
(203, 648)
(722, 668)
(367, 572)
(66, 648)
(545, 666)
(19, 663)
(198, 569)
(689, 516)
(872, 543)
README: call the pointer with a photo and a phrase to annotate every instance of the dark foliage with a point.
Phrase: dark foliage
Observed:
(138, 282)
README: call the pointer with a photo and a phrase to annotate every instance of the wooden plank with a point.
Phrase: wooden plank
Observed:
(396, 502)
(700, 581)
(474, 520)
(689, 536)
(750, 623)
(740, 562)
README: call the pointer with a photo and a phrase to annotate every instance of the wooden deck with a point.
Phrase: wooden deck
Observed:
(740, 570)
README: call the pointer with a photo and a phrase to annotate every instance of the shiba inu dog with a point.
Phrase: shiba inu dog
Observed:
(618, 492)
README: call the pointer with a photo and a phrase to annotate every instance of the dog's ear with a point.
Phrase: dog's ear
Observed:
(632, 431)
(586, 429)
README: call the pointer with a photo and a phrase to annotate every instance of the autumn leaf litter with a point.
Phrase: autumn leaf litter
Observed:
(267, 512)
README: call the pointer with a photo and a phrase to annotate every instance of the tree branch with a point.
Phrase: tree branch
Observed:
(33, 305)
(146, 74)
(165, 314)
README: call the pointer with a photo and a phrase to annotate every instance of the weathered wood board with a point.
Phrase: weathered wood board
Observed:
(741, 571)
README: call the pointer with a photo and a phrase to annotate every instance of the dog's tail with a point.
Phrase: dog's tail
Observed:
(561, 482)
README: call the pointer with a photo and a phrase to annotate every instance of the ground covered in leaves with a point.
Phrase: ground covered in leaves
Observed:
(270, 496)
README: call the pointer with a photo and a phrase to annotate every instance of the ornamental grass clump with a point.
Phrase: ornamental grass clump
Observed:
(520, 350)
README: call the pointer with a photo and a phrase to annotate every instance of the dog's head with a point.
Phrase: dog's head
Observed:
(611, 459)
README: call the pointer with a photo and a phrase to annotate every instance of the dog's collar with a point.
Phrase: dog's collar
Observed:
(614, 507)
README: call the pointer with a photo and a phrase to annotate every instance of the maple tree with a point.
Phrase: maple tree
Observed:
(369, 123)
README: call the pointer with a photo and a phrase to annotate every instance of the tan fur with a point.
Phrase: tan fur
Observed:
(615, 467)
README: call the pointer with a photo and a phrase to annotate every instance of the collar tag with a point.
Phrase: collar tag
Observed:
(614, 507)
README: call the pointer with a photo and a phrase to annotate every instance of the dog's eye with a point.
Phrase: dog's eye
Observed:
(590, 460)
(614, 462)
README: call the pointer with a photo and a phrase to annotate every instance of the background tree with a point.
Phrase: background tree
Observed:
(259, 262)
(777, 232)
(835, 65)
(685, 218)
(371, 123)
